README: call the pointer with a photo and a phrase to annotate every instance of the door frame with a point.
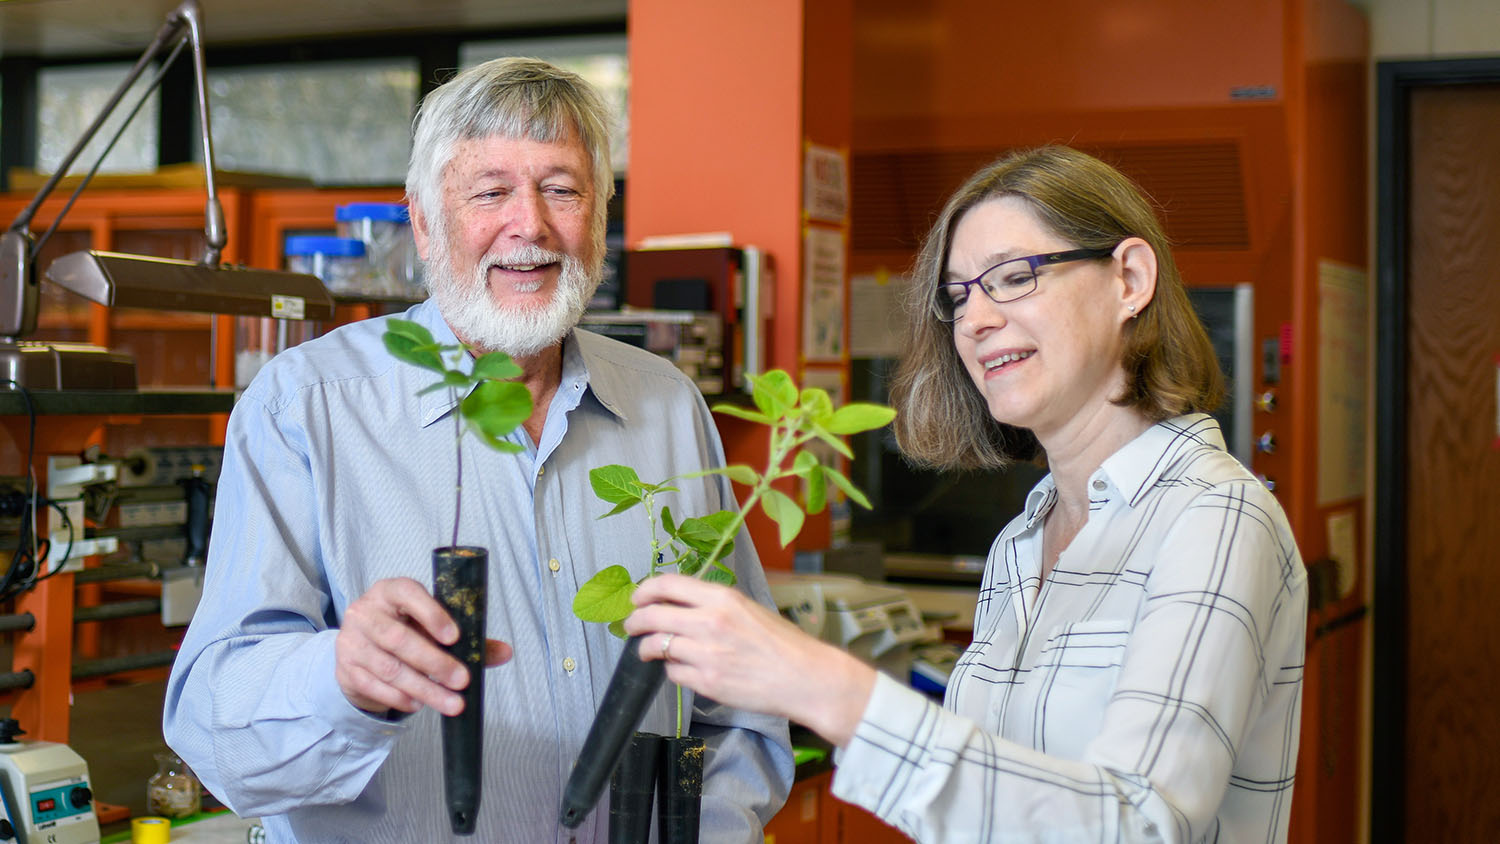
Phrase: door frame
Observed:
(1395, 83)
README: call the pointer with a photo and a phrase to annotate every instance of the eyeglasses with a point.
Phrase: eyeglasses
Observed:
(1007, 281)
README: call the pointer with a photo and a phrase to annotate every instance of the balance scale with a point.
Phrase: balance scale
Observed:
(875, 622)
(47, 795)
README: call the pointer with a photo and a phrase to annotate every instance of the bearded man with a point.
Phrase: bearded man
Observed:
(310, 685)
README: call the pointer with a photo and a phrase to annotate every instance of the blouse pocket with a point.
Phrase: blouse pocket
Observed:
(1078, 665)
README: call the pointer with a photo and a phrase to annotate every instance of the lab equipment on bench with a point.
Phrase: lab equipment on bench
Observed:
(47, 793)
(878, 623)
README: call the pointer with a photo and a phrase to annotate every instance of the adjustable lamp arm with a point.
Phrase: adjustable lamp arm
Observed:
(186, 17)
(18, 250)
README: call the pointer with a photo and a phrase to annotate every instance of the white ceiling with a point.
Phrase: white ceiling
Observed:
(56, 28)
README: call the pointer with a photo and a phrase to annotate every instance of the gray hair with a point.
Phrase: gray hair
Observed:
(514, 98)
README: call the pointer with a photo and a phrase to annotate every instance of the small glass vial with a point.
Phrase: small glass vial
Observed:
(173, 791)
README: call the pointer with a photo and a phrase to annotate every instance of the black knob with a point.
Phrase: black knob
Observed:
(7, 832)
(80, 796)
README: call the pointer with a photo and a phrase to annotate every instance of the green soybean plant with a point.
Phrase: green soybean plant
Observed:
(493, 404)
(697, 545)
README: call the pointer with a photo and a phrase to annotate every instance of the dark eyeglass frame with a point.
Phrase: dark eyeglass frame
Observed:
(949, 313)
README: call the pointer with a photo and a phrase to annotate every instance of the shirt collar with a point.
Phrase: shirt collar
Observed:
(584, 368)
(1040, 500)
(587, 352)
(1137, 466)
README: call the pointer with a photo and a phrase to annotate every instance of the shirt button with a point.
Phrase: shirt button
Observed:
(569, 664)
(554, 564)
(1100, 485)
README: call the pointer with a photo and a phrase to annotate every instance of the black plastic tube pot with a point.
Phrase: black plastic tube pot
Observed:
(632, 790)
(459, 579)
(630, 690)
(679, 790)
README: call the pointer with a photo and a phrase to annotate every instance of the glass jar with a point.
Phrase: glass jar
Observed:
(173, 791)
(339, 261)
(385, 230)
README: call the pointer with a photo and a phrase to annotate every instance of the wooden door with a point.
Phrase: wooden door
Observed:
(1452, 455)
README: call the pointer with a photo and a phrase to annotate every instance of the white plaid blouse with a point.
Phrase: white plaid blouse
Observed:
(1149, 690)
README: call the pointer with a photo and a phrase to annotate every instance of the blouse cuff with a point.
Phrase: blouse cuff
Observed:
(896, 731)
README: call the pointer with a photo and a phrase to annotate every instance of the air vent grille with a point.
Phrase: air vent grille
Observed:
(1198, 187)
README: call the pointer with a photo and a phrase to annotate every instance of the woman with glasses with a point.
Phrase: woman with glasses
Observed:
(1136, 668)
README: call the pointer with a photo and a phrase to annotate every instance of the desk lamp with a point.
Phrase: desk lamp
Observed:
(112, 278)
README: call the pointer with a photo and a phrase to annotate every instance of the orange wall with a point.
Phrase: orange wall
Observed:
(952, 58)
(716, 131)
(723, 97)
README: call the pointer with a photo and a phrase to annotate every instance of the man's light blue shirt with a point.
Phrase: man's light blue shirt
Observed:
(337, 474)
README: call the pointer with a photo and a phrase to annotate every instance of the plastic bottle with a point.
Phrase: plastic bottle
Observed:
(391, 252)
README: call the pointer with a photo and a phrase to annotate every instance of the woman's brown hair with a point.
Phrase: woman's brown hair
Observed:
(1169, 364)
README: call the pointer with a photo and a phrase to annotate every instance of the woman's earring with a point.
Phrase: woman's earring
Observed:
(1133, 314)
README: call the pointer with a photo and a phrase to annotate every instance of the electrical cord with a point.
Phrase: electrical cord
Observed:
(24, 561)
(58, 568)
(24, 571)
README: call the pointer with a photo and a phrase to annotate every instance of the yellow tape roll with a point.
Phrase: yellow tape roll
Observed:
(150, 830)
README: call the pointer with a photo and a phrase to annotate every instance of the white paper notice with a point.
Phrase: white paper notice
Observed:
(823, 295)
(875, 328)
(825, 184)
(1342, 353)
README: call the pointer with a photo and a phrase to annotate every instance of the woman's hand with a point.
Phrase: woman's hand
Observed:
(721, 644)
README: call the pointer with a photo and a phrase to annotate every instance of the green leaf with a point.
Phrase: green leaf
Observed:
(742, 413)
(615, 483)
(860, 416)
(720, 574)
(496, 366)
(816, 405)
(618, 628)
(496, 408)
(784, 512)
(804, 462)
(605, 597)
(847, 486)
(833, 442)
(690, 563)
(502, 446)
(739, 473)
(454, 379)
(774, 393)
(621, 507)
(410, 342)
(703, 532)
(817, 488)
(666, 521)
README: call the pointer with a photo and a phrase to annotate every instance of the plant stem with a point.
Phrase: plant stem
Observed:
(781, 446)
(458, 453)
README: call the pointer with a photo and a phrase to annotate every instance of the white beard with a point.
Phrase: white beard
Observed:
(519, 332)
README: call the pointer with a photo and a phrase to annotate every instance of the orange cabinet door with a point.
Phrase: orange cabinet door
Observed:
(801, 820)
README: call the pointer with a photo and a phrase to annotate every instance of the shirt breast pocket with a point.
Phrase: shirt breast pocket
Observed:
(1079, 665)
